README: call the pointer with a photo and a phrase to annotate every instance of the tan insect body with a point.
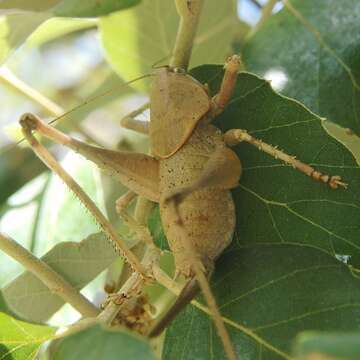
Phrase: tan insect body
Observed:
(190, 174)
(177, 103)
(208, 214)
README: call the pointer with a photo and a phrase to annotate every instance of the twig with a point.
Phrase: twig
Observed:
(132, 286)
(9, 78)
(48, 276)
(189, 12)
(265, 14)
(134, 282)
(257, 4)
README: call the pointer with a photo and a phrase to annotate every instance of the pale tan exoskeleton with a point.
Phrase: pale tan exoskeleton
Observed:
(190, 174)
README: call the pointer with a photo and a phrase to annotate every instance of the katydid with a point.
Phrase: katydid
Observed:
(190, 173)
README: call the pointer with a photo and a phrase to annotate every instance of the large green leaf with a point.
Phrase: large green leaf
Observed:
(62, 218)
(78, 263)
(23, 17)
(57, 27)
(12, 35)
(136, 39)
(68, 8)
(267, 294)
(331, 346)
(20, 340)
(316, 45)
(156, 229)
(97, 342)
(91, 7)
(291, 280)
(274, 202)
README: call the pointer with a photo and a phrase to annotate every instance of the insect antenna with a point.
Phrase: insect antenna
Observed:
(80, 106)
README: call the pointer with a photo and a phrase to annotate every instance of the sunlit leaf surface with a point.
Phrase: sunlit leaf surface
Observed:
(20, 340)
(281, 274)
(97, 342)
(78, 263)
(138, 38)
(314, 47)
(328, 346)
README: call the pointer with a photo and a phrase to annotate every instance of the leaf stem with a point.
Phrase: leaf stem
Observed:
(133, 283)
(189, 12)
(57, 284)
(257, 4)
(8, 78)
(266, 12)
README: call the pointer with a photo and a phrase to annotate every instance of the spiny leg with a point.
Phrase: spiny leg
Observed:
(142, 233)
(188, 293)
(51, 162)
(199, 272)
(235, 136)
(129, 121)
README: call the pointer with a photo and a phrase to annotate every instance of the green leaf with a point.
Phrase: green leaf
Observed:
(12, 35)
(138, 38)
(20, 340)
(67, 8)
(17, 6)
(310, 43)
(66, 219)
(331, 346)
(98, 342)
(23, 17)
(91, 8)
(78, 263)
(274, 202)
(346, 136)
(156, 229)
(17, 167)
(280, 276)
(267, 294)
(58, 27)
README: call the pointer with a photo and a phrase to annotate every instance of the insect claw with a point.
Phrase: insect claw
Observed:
(335, 182)
(28, 121)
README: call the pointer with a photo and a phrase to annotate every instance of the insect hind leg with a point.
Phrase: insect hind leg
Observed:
(199, 272)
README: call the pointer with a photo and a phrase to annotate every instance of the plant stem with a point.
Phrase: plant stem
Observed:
(266, 12)
(131, 287)
(9, 78)
(257, 4)
(189, 12)
(134, 282)
(48, 276)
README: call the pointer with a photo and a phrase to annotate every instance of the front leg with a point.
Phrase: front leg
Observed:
(138, 172)
(221, 99)
(107, 159)
(235, 136)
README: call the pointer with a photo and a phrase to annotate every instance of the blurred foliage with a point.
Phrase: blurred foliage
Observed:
(327, 346)
(282, 274)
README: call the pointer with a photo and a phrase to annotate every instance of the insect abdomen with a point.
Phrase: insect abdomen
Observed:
(208, 214)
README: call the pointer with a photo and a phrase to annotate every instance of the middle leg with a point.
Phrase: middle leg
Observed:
(235, 136)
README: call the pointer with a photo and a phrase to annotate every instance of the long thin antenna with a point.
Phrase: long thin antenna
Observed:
(99, 96)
